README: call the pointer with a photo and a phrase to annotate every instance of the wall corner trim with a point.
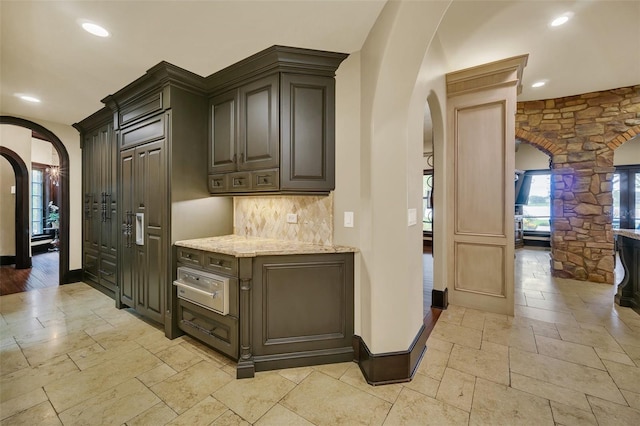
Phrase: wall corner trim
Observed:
(390, 367)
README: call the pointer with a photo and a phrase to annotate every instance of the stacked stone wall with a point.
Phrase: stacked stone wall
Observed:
(580, 133)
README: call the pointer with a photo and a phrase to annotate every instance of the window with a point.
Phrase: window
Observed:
(37, 201)
(626, 197)
(537, 206)
(427, 202)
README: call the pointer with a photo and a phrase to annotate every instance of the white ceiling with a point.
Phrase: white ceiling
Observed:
(44, 51)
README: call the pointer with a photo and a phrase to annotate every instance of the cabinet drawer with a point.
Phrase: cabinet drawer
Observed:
(219, 332)
(265, 180)
(239, 182)
(218, 183)
(108, 269)
(140, 108)
(189, 256)
(221, 263)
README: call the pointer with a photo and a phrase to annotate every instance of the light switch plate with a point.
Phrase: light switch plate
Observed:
(13, 189)
(348, 219)
(412, 217)
(292, 218)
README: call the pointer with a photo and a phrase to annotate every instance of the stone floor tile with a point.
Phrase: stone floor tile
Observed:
(633, 398)
(22, 403)
(545, 315)
(229, 418)
(97, 379)
(205, 352)
(611, 414)
(566, 374)
(158, 415)
(510, 335)
(178, 357)
(441, 345)
(29, 379)
(567, 351)
(618, 357)
(40, 352)
(185, 389)
(495, 404)
(489, 364)
(457, 389)
(296, 375)
(252, 398)
(96, 354)
(550, 391)
(473, 318)
(12, 359)
(156, 375)
(549, 305)
(457, 334)
(453, 314)
(433, 363)
(42, 414)
(626, 377)
(423, 384)
(633, 352)
(413, 408)
(334, 370)
(203, 413)
(354, 377)
(281, 416)
(324, 400)
(596, 337)
(114, 406)
(571, 416)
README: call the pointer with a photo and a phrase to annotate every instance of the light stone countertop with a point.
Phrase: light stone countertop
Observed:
(239, 246)
(630, 233)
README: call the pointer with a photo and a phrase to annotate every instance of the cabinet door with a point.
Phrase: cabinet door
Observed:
(259, 139)
(87, 156)
(223, 131)
(127, 242)
(107, 160)
(151, 201)
(94, 192)
(308, 133)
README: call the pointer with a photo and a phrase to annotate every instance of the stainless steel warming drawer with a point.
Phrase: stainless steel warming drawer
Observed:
(204, 289)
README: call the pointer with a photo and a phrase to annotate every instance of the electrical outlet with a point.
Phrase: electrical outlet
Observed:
(348, 219)
(292, 218)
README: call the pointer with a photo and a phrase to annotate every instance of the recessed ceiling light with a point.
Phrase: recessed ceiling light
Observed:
(95, 29)
(539, 84)
(561, 20)
(28, 98)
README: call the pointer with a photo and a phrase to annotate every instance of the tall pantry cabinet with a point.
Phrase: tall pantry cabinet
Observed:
(99, 223)
(160, 142)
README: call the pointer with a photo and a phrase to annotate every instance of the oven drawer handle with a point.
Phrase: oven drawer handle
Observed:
(198, 327)
(213, 295)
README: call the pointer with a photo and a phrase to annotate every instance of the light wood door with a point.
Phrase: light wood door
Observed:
(481, 121)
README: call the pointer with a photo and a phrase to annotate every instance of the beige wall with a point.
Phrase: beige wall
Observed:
(18, 140)
(43, 152)
(7, 209)
(395, 85)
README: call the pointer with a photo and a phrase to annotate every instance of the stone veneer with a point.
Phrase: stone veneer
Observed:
(266, 217)
(580, 134)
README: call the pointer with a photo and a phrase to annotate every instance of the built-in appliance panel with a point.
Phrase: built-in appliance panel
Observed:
(219, 332)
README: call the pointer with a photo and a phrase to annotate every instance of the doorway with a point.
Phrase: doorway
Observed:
(626, 197)
(63, 183)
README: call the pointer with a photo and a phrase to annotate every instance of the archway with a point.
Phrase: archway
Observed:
(23, 258)
(64, 188)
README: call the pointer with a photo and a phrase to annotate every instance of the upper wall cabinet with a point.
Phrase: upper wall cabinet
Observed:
(272, 123)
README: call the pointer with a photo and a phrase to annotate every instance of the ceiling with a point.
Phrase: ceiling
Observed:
(44, 51)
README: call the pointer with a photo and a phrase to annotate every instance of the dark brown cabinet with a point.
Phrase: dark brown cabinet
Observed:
(100, 229)
(274, 131)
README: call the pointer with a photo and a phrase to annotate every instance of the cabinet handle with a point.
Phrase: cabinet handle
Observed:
(103, 272)
(107, 211)
(242, 158)
(103, 207)
(87, 207)
(238, 182)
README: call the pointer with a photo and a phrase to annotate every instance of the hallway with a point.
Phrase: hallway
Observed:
(42, 274)
(569, 356)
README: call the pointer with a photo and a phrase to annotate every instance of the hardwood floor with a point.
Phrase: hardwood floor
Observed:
(43, 273)
(427, 281)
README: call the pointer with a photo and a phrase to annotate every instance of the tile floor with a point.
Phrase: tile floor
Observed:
(569, 356)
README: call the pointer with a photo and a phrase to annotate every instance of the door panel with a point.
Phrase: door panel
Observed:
(259, 141)
(127, 257)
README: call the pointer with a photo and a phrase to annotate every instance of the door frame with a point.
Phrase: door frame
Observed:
(63, 267)
(23, 257)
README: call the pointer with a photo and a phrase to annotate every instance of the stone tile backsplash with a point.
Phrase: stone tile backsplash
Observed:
(266, 217)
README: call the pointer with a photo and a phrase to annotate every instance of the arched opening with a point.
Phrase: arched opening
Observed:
(23, 257)
(63, 156)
